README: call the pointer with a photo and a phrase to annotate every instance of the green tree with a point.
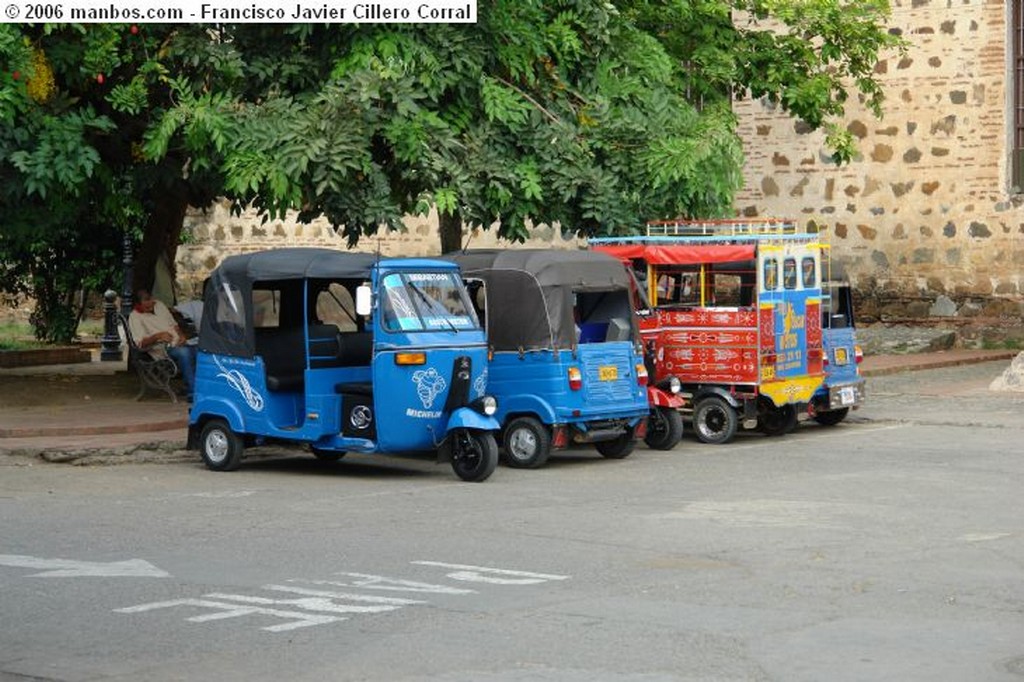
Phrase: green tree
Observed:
(594, 116)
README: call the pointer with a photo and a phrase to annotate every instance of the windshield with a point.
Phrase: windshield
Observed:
(425, 301)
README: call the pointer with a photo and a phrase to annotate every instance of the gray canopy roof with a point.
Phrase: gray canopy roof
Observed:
(530, 291)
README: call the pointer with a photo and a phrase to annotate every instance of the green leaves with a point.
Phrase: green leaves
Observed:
(62, 159)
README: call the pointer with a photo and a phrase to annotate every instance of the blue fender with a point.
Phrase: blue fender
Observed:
(526, 404)
(210, 408)
(467, 418)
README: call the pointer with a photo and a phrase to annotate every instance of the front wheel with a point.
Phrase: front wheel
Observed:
(474, 454)
(221, 447)
(619, 448)
(527, 443)
(664, 428)
(714, 420)
(832, 417)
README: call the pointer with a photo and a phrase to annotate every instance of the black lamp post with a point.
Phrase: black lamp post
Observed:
(110, 348)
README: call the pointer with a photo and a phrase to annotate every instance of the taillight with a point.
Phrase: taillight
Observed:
(858, 354)
(641, 374)
(824, 360)
(575, 378)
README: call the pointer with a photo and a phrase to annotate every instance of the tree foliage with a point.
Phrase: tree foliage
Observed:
(591, 115)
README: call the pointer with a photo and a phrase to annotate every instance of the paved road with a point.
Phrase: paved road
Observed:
(886, 548)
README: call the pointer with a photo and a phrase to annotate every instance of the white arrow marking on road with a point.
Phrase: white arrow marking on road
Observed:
(68, 568)
(483, 574)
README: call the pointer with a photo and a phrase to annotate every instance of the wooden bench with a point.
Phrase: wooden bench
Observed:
(153, 372)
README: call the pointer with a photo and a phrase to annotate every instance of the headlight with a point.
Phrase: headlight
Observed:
(487, 405)
(671, 384)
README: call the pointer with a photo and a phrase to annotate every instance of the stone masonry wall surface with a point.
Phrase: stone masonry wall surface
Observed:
(216, 233)
(926, 210)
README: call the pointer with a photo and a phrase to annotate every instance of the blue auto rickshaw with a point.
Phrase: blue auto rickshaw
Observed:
(843, 389)
(342, 352)
(566, 363)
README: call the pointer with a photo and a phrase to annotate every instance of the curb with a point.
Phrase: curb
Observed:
(939, 363)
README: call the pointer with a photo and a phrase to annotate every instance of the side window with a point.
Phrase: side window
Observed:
(808, 272)
(478, 297)
(229, 312)
(789, 273)
(770, 275)
(334, 305)
(266, 308)
(726, 288)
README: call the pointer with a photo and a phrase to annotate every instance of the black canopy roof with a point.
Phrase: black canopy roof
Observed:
(530, 291)
(227, 326)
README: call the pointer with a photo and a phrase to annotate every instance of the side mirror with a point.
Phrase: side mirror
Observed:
(364, 300)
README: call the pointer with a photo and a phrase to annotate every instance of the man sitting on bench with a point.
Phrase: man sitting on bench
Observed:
(155, 331)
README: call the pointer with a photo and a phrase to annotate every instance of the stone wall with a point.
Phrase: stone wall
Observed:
(926, 210)
(216, 233)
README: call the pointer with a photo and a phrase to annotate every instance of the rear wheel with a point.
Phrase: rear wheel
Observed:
(619, 448)
(474, 454)
(714, 420)
(527, 443)
(221, 447)
(664, 428)
(832, 417)
(777, 421)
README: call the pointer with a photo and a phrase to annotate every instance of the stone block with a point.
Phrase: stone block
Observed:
(942, 307)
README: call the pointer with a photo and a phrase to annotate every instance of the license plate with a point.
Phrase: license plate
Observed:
(841, 357)
(608, 373)
(847, 396)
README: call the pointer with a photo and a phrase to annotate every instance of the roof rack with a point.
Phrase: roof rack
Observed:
(764, 227)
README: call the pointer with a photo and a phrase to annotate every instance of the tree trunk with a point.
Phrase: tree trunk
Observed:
(451, 232)
(163, 231)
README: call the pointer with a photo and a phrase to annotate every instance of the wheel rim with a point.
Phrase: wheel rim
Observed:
(522, 444)
(468, 453)
(713, 423)
(216, 446)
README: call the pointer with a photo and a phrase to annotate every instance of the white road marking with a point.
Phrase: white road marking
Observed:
(476, 574)
(298, 619)
(69, 568)
(377, 582)
(319, 606)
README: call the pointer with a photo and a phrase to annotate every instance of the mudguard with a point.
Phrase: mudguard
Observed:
(467, 418)
(527, 404)
(659, 398)
(212, 408)
(721, 392)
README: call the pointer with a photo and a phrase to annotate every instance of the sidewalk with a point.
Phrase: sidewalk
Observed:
(69, 418)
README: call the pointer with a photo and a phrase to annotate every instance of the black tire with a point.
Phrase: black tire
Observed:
(619, 448)
(474, 454)
(664, 428)
(714, 420)
(327, 455)
(527, 443)
(777, 421)
(832, 417)
(220, 447)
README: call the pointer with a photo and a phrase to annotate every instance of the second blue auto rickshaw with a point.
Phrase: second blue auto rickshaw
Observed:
(342, 352)
(566, 364)
(843, 389)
